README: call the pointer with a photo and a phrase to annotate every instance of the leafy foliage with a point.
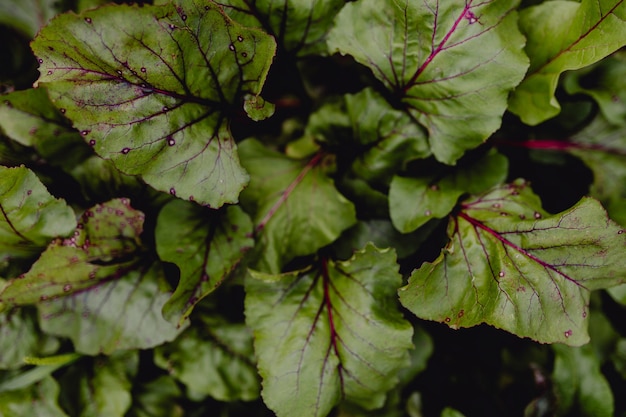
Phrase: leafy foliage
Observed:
(312, 208)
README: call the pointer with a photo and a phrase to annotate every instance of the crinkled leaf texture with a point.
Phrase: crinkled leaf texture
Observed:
(152, 88)
(205, 245)
(329, 333)
(452, 64)
(414, 201)
(563, 35)
(511, 265)
(98, 287)
(294, 205)
(300, 26)
(29, 216)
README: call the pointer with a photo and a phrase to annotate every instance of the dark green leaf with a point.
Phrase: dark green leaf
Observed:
(511, 265)
(152, 87)
(205, 245)
(214, 358)
(156, 398)
(580, 34)
(293, 203)
(414, 201)
(329, 333)
(452, 64)
(299, 26)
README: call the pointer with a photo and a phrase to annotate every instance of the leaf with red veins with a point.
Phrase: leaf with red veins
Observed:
(293, 203)
(511, 265)
(452, 64)
(153, 88)
(205, 244)
(329, 333)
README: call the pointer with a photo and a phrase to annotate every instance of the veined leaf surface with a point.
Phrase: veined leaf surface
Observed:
(452, 64)
(563, 35)
(329, 333)
(511, 265)
(152, 89)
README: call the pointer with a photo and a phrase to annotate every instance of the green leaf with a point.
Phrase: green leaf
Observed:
(294, 205)
(38, 400)
(28, 16)
(579, 383)
(213, 358)
(605, 83)
(152, 88)
(20, 337)
(299, 26)
(29, 216)
(329, 333)
(602, 147)
(102, 386)
(562, 36)
(156, 398)
(384, 138)
(124, 313)
(511, 265)
(452, 64)
(205, 245)
(414, 201)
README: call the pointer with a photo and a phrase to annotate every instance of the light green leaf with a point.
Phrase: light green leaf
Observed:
(602, 147)
(213, 358)
(20, 337)
(579, 384)
(101, 386)
(563, 35)
(29, 216)
(28, 16)
(293, 203)
(299, 26)
(329, 334)
(451, 412)
(152, 88)
(206, 245)
(414, 201)
(38, 400)
(450, 64)
(511, 265)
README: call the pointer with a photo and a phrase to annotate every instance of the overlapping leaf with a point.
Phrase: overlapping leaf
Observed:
(152, 87)
(28, 16)
(300, 26)
(328, 334)
(29, 216)
(98, 287)
(452, 64)
(563, 35)
(205, 245)
(294, 205)
(414, 201)
(511, 265)
(215, 359)
(40, 399)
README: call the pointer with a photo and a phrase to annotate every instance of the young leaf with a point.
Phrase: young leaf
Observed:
(328, 334)
(452, 64)
(205, 245)
(29, 216)
(215, 358)
(414, 201)
(300, 26)
(579, 383)
(38, 400)
(579, 34)
(152, 88)
(294, 205)
(511, 265)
